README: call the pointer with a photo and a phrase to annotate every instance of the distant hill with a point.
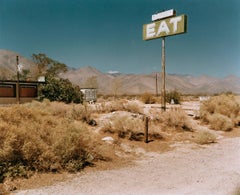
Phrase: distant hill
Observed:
(129, 83)
(140, 83)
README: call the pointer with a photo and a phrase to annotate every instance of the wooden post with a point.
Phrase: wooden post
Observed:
(146, 129)
(18, 85)
(156, 85)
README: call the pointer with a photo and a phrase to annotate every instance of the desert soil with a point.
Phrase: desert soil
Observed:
(187, 169)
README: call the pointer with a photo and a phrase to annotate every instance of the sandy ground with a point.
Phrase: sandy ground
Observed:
(188, 169)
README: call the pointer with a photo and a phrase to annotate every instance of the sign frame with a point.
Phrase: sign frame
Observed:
(165, 27)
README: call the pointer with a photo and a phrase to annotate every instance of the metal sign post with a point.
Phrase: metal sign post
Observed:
(164, 24)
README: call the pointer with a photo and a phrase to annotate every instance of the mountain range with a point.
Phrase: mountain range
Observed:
(117, 83)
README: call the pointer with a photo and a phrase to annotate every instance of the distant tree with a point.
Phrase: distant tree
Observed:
(59, 89)
(47, 66)
(56, 88)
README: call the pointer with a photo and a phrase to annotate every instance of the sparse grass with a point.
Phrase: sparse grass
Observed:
(221, 112)
(45, 137)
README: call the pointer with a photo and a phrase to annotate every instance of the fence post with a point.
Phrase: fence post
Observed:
(146, 129)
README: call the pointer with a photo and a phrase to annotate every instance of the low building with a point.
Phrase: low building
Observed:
(10, 93)
(89, 94)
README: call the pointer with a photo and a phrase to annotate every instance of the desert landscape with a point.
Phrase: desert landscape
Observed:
(188, 151)
(123, 142)
(119, 97)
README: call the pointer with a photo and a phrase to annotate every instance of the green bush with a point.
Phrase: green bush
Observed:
(173, 95)
(58, 89)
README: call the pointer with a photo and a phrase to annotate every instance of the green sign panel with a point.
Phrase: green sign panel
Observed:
(166, 27)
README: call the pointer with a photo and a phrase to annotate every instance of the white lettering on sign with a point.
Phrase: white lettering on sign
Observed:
(166, 27)
(175, 21)
(163, 27)
(150, 30)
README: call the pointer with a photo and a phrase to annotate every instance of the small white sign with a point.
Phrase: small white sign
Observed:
(164, 14)
(41, 79)
(20, 67)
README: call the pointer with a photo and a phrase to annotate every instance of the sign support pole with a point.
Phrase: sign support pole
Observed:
(164, 24)
(18, 87)
(163, 98)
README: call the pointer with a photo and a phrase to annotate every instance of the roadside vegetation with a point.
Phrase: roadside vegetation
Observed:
(45, 137)
(205, 137)
(57, 135)
(221, 112)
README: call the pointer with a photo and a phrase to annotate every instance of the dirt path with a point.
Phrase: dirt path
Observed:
(212, 169)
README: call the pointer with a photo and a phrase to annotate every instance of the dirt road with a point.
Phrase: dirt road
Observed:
(212, 169)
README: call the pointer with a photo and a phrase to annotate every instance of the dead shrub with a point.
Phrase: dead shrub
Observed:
(38, 137)
(221, 112)
(205, 137)
(218, 121)
(133, 107)
(81, 112)
(125, 127)
(112, 106)
(177, 119)
(148, 98)
(129, 127)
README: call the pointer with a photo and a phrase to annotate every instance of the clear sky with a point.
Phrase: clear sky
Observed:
(107, 34)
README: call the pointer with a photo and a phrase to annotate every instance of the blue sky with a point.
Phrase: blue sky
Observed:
(107, 34)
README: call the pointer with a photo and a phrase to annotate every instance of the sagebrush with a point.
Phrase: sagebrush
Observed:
(221, 112)
(45, 137)
(205, 137)
(175, 119)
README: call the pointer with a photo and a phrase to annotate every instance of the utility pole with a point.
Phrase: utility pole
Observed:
(18, 87)
(163, 92)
